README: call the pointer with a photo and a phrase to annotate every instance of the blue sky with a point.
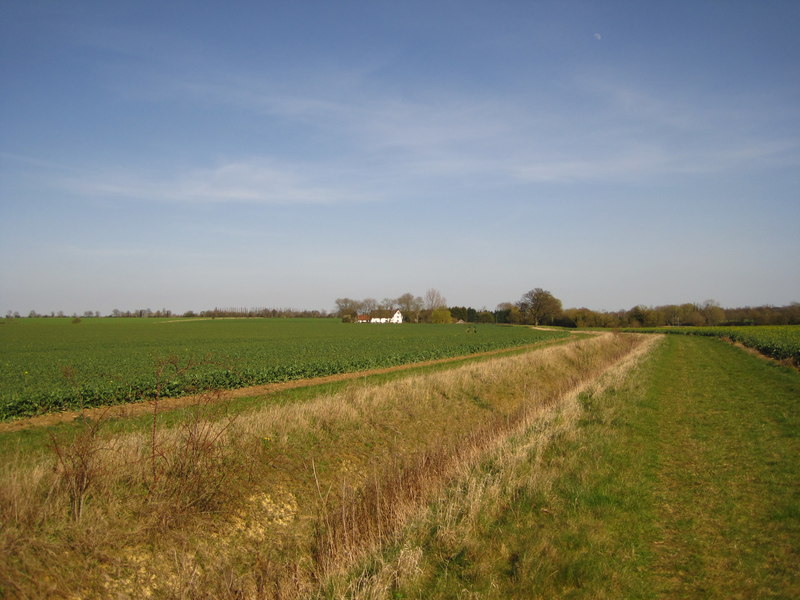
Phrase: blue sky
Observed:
(197, 154)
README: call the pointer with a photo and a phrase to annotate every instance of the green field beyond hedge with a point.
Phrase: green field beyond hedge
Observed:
(56, 364)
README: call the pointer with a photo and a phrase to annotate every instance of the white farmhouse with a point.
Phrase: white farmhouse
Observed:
(381, 316)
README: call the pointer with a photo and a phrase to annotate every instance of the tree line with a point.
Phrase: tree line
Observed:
(269, 313)
(540, 307)
(709, 313)
(275, 313)
(535, 307)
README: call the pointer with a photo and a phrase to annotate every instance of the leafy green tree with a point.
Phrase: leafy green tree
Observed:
(459, 313)
(638, 315)
(486, 316)
(464, 313)
(506, 312)
(539, 307)
(441, 315)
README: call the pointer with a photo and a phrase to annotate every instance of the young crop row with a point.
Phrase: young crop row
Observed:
(781, 341)
(47, 367)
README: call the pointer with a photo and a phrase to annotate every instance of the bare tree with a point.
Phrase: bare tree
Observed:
(416, 307)
(405, 302)
(410, 306)
(368, 305)
(434, 299)
(713, 313)
(347, 306)
(388, 304)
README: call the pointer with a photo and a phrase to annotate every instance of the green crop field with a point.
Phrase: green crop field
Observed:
(776, 341)
(613, 466)
(56, 364)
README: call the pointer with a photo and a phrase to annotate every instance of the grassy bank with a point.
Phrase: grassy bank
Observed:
(274, 502)
(679, 481)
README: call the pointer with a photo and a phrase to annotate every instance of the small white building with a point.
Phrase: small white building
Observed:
(381, 316)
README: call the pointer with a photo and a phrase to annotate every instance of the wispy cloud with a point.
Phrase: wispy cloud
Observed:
(388, 144)
(346, 105)
(631, 161)
(629, 132)
(250, 181)
(626, 165)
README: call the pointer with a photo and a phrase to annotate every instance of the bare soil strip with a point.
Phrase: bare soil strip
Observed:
(165, 404)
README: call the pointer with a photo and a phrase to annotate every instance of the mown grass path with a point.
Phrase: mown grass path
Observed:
(726, 430)
(681, 480)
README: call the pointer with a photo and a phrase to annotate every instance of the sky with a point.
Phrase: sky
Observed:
(187, 155)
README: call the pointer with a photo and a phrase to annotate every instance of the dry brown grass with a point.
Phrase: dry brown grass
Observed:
(479, 489)
(278, 502)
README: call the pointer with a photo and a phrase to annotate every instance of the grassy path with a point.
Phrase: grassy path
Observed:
(682, 481)
(727, 435)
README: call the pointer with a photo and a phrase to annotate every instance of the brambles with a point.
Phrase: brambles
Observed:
(114, 359)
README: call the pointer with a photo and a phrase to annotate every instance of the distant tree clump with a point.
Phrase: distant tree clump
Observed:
(414, 308)
(539, 307)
